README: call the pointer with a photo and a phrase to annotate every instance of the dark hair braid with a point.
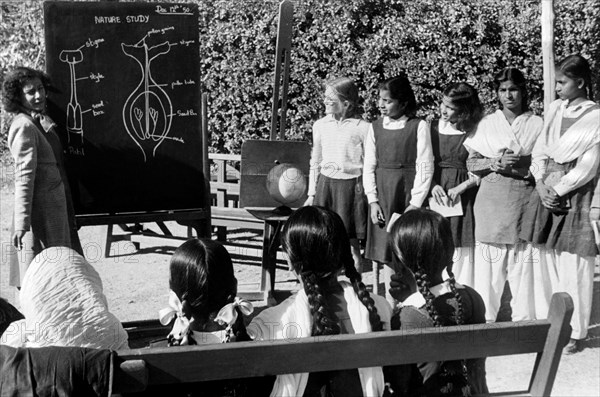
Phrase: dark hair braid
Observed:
(325, 321)
(466, 389)
(364, 296)
(423, 284)
(459, 307)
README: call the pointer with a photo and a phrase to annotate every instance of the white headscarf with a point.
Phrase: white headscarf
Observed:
(578, 139)
(63, 304)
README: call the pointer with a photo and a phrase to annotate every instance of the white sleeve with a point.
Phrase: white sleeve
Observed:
(369, 166)
(539, 160)
(424, 166)
(585, 170)
(315, 162)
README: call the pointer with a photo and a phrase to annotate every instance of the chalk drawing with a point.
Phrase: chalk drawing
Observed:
(148, 111)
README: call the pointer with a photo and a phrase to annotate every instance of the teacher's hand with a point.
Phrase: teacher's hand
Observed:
(17, 239)
(309, 201)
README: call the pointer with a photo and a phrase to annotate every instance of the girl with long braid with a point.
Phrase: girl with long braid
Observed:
(317, 247)
(422, 243)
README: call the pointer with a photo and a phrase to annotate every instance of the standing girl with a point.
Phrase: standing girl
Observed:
(336, 163)
(500, 153)
(422, 244)
(43, 215)
(460, 113)
(398, 166)
(565, 162)
(318, 250)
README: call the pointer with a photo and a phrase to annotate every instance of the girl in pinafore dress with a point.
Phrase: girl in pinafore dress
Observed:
(336, 163)
(565, 162)
(398, 167)
(423, 248)
(460, 113)
(500, 152)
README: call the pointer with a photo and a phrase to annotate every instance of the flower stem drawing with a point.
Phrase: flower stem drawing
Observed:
(74, 114)
(148, 111)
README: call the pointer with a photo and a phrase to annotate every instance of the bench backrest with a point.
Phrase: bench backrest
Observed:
(142, 368)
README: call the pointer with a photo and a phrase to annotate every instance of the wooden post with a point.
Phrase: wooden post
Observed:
(206, 223)
(282, 56)
(548, 51)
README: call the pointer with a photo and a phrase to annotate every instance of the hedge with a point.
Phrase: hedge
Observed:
(434, 42)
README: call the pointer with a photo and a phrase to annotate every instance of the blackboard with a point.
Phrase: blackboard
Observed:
(127, 105)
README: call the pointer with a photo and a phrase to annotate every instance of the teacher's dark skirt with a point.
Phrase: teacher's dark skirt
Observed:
(347, 198)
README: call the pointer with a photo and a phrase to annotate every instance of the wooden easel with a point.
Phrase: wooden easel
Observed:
(282, 58)
(274, 222)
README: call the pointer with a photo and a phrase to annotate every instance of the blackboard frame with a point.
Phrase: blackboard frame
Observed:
(196, 215)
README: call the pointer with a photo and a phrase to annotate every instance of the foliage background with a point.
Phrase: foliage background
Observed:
(435, 42)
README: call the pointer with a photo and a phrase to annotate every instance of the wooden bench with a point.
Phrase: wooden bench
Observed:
(140, 369)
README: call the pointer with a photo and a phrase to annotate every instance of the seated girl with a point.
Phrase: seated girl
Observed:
(63, 303)
(203, 298)
(205, 308)
(317, 247)
(422, 244)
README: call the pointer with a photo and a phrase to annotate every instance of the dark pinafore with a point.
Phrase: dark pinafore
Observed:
(450, 171)
(396, 152)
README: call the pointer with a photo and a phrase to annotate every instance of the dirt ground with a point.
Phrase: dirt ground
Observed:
(136, 285)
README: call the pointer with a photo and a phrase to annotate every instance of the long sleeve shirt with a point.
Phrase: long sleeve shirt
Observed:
(587, 164)
(423, 164)
(338, 149)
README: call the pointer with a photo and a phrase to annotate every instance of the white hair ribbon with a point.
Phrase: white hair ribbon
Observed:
(181, 327)
(228, 314)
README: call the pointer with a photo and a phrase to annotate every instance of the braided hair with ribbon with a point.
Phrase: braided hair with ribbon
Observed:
(203, 293)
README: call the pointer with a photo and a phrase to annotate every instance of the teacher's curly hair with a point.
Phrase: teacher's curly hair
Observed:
(13, 86)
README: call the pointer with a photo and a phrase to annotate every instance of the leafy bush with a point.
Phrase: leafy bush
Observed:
(434, 42)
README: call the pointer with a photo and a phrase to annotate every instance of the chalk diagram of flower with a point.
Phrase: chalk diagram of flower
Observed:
(148, 111)
(74, 113)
